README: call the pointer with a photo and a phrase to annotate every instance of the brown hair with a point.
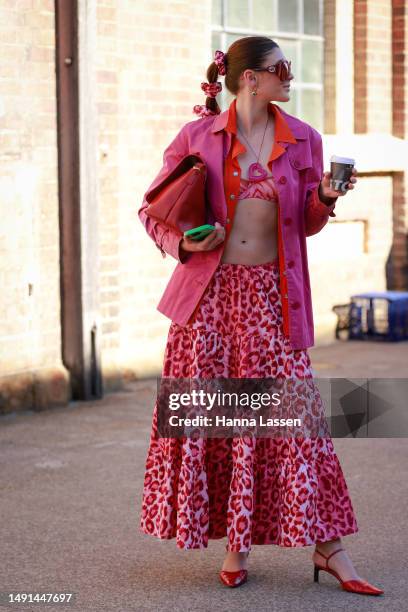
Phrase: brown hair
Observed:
(244, 53)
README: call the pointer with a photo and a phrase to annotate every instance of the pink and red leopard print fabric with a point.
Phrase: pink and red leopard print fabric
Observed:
(279, 491)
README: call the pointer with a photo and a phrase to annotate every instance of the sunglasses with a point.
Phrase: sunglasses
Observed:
(282, 69)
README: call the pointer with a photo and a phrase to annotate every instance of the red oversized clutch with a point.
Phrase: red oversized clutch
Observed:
(179, 201)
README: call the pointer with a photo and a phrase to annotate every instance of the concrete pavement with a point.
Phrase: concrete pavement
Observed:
(71, 481)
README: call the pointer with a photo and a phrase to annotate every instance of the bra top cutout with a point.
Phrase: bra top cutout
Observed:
(262, 190)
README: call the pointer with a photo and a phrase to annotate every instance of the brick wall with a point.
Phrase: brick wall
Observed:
(381, 103)
(148, 81)
(29, 239)
(379, 202)
(373, 75)
(399, 68)
(330, 80)
(399, 276)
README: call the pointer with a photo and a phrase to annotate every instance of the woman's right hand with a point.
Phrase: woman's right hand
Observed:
(214, 238)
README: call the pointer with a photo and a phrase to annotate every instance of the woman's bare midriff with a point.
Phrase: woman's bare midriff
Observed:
(253, 237)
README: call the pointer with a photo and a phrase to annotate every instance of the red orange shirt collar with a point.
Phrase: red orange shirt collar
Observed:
(231, 183)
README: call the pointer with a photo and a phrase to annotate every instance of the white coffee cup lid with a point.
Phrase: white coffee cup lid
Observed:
(342, 160)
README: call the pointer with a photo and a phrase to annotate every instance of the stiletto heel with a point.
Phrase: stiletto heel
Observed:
(354, 586)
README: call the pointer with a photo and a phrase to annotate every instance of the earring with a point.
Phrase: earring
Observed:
(254, 92)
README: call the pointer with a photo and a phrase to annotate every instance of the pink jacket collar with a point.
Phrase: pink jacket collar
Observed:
(298, 129)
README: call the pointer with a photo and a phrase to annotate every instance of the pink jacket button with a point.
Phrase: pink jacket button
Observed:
(282, 180)
(295, 305)
(291, 263)
(287, 221)
(296, 163)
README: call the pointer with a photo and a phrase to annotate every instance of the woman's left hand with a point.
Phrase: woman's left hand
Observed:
(328, 192)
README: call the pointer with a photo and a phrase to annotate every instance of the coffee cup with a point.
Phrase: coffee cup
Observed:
(341, 169)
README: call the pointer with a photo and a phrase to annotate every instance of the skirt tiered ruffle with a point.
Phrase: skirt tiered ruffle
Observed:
(285, 491)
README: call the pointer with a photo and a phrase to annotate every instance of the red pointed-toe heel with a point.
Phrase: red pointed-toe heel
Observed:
(354, 586)
(234, 579)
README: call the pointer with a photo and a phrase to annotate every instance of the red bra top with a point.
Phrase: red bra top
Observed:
(262, 190)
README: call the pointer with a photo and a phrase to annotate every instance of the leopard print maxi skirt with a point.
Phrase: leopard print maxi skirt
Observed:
(250, 490)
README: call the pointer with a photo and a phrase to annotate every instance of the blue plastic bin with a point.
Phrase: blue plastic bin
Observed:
(379, 315)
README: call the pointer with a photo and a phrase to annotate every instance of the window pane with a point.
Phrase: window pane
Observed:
(263, 15)
(312, 61)
(289, 50)
(312, 21)
(230, 39)
(237, 13)
(312, 108)
(216, 12)
(215, 42)
(288, 15)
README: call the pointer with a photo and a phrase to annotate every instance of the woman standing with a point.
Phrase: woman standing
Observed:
(240, 306)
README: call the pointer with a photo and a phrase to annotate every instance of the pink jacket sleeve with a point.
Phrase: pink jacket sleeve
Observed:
(317, 213)
(166, 240)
